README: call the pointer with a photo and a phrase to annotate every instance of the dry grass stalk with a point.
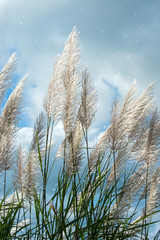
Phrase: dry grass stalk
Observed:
(87, 108)
(31, 176)
(61, 99)
(132, 135)
(12, 107)
(54, 100)
(150, 150)
(39, 132)
(8, 122)
(152, 197)
(154, 192)
(75, 151)
(131, 192)
(141, 111)
(73, 146)
(136, 188)
(7, 151)
(19, 170)
(125, 131)
(6, 75)
(71, 78)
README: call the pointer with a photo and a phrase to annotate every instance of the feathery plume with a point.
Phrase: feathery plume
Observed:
(70, 76)
(73, 145)
(121, 159)
(6, 75)
(135, 188)
(8, 121)
(18, 175)
(150, 151)
(31, 176)
(39, 131)
(141, 111)
(12, 107)
(127, 121)
(61, 99)
(75, 155)
(152, 195)
(87, 108)
(7, 145)
(106, 138)
(130, 192)
(54, 100)
(154, 192)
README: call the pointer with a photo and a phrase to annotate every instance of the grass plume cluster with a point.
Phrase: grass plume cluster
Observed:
(115, 195)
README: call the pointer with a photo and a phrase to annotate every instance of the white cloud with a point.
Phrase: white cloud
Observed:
(24, 136)
(59, 132)
(94, 136)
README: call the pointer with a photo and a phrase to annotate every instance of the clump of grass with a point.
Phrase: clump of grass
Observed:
(116, 195)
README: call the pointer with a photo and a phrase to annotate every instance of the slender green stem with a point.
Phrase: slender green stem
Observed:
(145, 207)
(75, 185)
(145, 212)
(115, 177)
(63, 188)
(49, 147)
(86, 139)
(76, 203)
(30, 215)
(45, 177)
(64, 158)
(5, 179)
(24, 214)
(89, 172)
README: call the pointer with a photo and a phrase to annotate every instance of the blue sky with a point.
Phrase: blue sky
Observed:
(119, 41)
